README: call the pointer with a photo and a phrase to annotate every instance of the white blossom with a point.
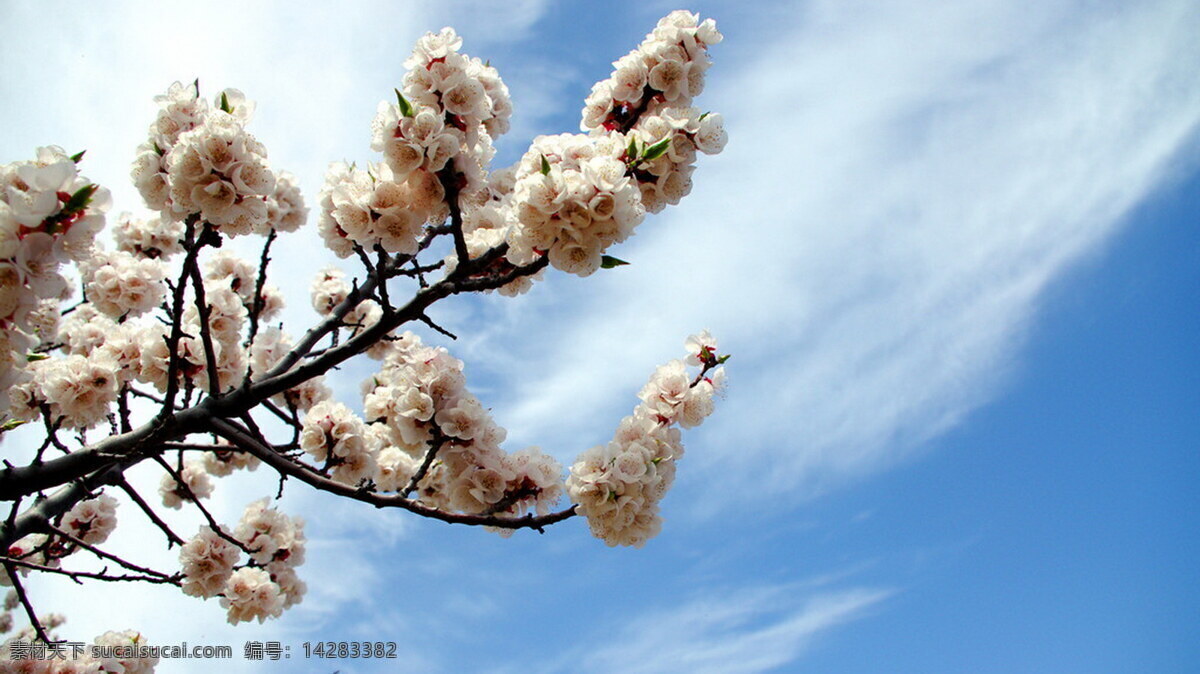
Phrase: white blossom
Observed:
(207, 561)
(196, 485)
(270, 535)
(250, 594)
(92, 520)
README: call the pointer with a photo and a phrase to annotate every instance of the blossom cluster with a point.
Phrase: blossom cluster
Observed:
(649, 95)
(200, 161)
(120, 283)
(91, 521)
(450, 107)
(439, 131)
(666, 69)
(572, 196)
(418, 402)
(262, 587)
(49, 215)
(618, 486)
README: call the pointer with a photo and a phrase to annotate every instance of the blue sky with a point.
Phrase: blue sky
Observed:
(953, 248)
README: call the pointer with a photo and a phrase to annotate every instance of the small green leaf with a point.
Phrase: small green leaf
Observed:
(608, 262)
(545, 166)
(158, 150)
(225, 103)
(34, 357)
(703, 116)
(81, 198)
(406, 108)
(78, 156)
(631, 151)
(11, 424)
(657, 150)
(656, 460)
(722, 359)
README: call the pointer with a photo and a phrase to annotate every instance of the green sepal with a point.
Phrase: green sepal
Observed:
(11, 424)
(657, 150)
(78, 156)
(81, 198)
(34, 357)
(703, 116)
(406, 108)
(225, 107)
(722, 359)
(608, 262)
(545, 166)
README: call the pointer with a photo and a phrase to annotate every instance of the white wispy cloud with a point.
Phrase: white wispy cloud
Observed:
(745, 630)
(902, 184)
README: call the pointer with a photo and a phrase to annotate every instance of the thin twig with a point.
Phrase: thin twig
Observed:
(436, 441)
(429, 321)
(191, 496)
(105, 555)
(36, 624)
(95, 575)
(172, 538)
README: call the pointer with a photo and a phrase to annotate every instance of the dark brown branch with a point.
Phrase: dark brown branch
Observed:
(105, 555)
(94, 575)
(429, 321)
(174, 362)
(280, 414)
(196, 447)
(172, 538)
(36, 624)
(300, 472)
(205, 311)
(189, 495)
(452, 182)
(435, 444)
(259, 284)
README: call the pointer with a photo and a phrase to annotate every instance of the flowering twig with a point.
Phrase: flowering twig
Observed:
(105, 555)
(312, 479)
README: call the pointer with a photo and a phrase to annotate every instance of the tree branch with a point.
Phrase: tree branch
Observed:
(292, 469)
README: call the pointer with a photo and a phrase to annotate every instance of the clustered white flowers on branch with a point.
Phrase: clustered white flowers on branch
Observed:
(173, 355)
(618, 486)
